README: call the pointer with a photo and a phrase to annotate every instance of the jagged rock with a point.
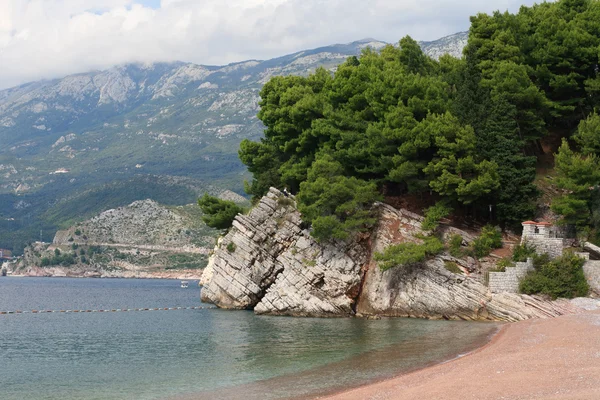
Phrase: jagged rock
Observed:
(268, 263)
(424, 291)
(324, 285)
(277, 268)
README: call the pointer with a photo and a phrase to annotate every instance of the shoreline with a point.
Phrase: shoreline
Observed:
(556, 358)
(363, 368)
(332, 394)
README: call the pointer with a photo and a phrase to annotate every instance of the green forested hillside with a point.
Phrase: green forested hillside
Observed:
(465, 132)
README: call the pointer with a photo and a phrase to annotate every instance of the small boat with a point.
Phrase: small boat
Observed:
(184, 284)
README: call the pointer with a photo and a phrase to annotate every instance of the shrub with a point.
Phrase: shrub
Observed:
(433, 215)
(490, 239)
(503, 264)
(539, 260)
(187, 261)
(562, 277)
(218, 214)
(95, 250)
(452, 267)
(406, 254)
(523, 251)
(454, 247)
(285, 201)
(231, 247)
(77, 232)
(59, 259)
(309, 263)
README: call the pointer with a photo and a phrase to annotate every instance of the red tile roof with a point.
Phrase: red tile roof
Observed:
(529, 223)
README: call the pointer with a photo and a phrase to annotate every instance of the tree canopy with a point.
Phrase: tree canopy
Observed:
(218, 213)
(462, 131)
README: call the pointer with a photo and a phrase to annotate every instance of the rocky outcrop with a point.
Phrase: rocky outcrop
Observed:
(429, 290)
(269, 263)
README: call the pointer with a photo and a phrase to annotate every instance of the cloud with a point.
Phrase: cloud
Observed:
(42, 39)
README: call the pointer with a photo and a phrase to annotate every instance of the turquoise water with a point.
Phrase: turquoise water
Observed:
(197, 354)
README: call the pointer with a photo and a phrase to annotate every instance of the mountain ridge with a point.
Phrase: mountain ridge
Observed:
(63, 137)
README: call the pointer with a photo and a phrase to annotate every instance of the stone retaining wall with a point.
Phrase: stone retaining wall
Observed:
(508, 281)
(545, 245)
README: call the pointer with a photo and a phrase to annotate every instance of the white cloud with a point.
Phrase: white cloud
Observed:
(52, 38)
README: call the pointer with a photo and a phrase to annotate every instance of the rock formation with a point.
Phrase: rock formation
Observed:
(269, 262)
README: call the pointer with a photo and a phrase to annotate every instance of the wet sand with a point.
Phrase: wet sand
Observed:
(554, 359)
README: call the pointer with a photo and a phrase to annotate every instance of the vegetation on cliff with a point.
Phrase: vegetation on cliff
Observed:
(562, 277)
(409, 254)
(218, 214)
(464, 131)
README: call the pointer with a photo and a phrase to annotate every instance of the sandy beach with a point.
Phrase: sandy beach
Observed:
(555, 359)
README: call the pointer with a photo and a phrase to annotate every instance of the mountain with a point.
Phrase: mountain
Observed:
(453, 45)
(72, 147)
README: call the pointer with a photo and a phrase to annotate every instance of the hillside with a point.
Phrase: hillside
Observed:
(137, 131)
(143, 239)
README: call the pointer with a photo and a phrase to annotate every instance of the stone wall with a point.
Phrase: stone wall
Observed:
(543, 236)
(508, 281)
(545, 245)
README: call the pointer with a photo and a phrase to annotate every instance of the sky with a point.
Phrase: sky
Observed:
(45, 39)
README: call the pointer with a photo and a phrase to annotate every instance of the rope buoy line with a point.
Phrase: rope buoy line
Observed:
(111, 310)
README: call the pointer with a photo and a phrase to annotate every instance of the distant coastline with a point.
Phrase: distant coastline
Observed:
(175, 275)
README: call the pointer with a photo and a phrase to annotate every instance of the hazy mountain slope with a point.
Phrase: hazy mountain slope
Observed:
(63, 138)
(453, 45)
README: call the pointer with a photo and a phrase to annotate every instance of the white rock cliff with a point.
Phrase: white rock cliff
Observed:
(268, 262)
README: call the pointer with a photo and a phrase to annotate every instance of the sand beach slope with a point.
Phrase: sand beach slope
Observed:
(555, 359)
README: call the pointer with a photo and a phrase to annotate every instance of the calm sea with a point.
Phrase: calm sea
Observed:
(197, 354)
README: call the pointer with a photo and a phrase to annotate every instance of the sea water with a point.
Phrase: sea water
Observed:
(197, 354)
